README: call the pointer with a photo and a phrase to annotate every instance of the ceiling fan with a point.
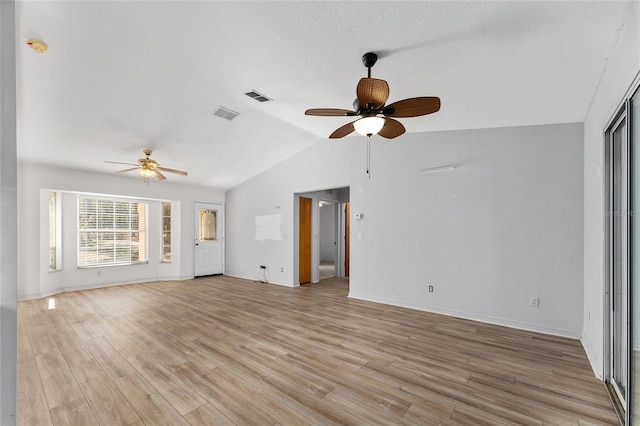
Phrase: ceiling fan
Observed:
(148, 168)
(372, 94)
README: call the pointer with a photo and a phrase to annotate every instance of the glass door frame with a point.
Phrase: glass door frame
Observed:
(632, 106)
(619, 387)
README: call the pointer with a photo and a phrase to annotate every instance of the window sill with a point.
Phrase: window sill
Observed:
(110, 265)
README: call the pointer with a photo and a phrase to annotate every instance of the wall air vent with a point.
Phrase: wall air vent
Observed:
(258, 96)
(225, 113)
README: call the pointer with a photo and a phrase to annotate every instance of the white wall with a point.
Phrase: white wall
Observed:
(503, 227)
(8, 235)
(35, 181)
(623, 66)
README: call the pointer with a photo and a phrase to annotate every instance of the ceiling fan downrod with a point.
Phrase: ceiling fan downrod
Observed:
(369, 59)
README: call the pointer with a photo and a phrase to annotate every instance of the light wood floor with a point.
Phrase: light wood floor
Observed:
(222, 351)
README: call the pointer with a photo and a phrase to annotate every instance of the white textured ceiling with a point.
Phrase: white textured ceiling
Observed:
(122, 76)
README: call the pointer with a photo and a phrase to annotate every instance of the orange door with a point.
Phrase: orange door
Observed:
(304, 266)
(347, 223)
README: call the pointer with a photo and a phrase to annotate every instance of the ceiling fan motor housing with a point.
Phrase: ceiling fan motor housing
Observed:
(147, 163)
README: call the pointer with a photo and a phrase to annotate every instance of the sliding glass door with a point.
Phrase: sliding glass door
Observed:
(623, 259)
(619, 257)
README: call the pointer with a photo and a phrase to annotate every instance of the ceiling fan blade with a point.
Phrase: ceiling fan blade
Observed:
(412, 107)
(373, 92)
(159, 175)
(330, 112)
(391, 129)
(119, 162)
(128, 170)
(164, 169)
(342, 131)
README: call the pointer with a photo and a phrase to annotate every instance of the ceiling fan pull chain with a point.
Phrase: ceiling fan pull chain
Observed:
(369, 155)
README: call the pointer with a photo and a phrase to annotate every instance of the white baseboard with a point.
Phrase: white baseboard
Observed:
(257, 279)
(98, 285)
(25, 297)
(474, 317)
(593, 356)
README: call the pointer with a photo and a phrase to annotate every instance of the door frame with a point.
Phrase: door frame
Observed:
(345, 235)
(222, 232)
(316, 196)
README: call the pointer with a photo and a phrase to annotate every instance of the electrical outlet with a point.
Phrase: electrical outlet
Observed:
(430, 289)
(535, 302)
(282, 269)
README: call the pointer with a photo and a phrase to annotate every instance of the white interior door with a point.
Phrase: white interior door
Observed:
(209, 236)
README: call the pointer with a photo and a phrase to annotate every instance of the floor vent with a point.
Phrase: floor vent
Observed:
(226, 113)
(258, 96)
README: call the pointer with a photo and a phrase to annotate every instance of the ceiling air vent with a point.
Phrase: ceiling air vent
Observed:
(225, 113)
(257, 96)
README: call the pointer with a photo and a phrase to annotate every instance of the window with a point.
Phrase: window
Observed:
(111, 232)
(166, 232)
(54, 232)
(208, 225)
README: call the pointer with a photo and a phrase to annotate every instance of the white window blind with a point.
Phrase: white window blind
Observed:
(111, 232)
(53, 231)
(166, 232)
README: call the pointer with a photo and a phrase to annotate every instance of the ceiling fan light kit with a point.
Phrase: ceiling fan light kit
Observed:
(147, 173)
(369, 126)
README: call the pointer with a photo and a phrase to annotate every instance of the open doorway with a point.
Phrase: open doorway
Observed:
(328, 235)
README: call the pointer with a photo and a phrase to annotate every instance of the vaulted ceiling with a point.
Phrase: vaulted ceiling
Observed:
(123, 76)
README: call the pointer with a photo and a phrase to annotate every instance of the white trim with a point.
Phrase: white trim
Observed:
(481, 318)
(270, 282)
(101, 285)
(589, 349)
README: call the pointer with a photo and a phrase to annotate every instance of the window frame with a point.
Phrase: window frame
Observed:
(112, 230)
